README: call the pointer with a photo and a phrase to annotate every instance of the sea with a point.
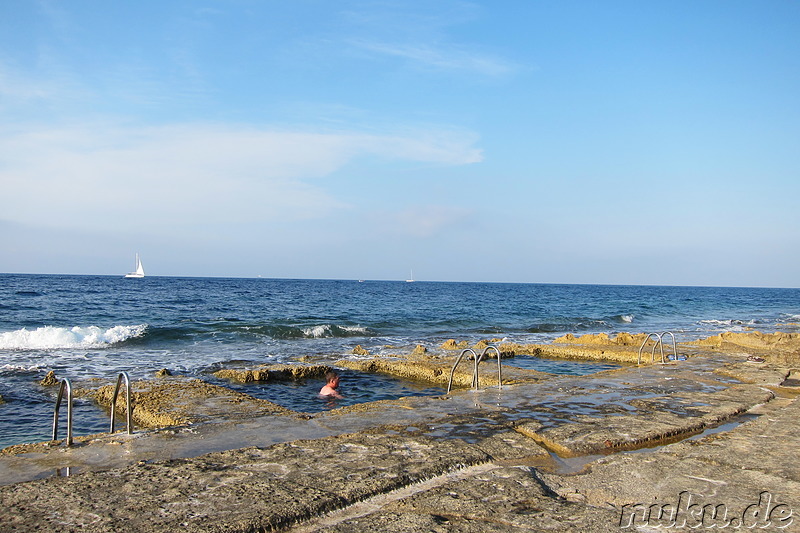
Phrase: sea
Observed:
(85, 327)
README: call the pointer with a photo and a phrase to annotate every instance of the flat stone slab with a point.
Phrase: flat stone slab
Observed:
(654, 420)
(751, 469)
(485, 498)
(239, 490)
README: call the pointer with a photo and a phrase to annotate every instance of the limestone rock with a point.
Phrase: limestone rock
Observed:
(358, 350)
(480, 345)
(451, 344)
(49, 380)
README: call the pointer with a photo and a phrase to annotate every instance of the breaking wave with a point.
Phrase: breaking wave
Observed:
(567, 324)
(51, 337)
(331, 330)
(284, 331)
(729, 323)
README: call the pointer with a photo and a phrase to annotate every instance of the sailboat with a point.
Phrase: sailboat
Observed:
(138, 271)
(411, 280)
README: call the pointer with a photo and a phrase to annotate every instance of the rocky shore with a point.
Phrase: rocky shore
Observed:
(708, 440)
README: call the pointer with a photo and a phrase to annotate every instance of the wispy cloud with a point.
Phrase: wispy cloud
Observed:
(422, 37)
(443, 57)
(128, 178)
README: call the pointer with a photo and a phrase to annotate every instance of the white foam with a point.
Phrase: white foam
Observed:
(627, 318)
(50, 337)
(729, 325)
(317, 331)
(354, 329)
(19, 368)
(327, 330)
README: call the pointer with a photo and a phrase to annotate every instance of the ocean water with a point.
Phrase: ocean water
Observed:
(97, 326)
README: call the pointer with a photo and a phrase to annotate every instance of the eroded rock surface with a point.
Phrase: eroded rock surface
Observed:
(549, 454)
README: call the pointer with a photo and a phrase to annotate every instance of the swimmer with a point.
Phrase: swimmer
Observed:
(332, 383)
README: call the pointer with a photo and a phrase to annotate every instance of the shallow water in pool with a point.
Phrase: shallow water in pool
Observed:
(303, 395)
(555, 366)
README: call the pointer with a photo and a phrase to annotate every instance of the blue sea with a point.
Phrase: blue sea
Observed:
(97, 326)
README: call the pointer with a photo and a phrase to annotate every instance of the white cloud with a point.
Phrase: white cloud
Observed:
(131, 178)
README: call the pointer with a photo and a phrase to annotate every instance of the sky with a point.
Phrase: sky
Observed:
(617, 142)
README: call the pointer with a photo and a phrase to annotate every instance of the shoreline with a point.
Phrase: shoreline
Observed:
(571, 451)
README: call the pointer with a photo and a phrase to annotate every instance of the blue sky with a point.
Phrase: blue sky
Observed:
(620, 142)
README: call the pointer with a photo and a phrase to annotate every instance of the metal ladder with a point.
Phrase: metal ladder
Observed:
(65, 385)
(477, 358)
(659, 343)
(129, 408)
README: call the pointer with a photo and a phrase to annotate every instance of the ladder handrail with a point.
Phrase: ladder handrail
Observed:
(65, 384)
(659, 344)
(499, 371)
(120, 377)
(674, 346)
(652, 359)
(458, 360)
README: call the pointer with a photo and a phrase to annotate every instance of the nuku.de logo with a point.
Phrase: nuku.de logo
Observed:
(691, 512)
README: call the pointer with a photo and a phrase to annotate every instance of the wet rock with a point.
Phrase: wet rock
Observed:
(438, 372)
(748, 372)
(792, 379)
(274, 373)
(163, 373)
(49, 380)
(624, 348)
(175, 402)
(358, 350)
(654, 421)
(779, 347)
(419, 350)
(243, 376)
(464, 462)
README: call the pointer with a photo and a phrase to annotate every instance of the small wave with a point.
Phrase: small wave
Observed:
(626, 318)
(332, 330)
(31, 294)
(50, 337)
(729, 323)
(19, 368)
(567, 325)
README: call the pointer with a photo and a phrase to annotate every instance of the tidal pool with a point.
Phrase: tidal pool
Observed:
(355, 387)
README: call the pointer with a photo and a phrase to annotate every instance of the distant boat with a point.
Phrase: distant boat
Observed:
(138, 271)
(411, 279)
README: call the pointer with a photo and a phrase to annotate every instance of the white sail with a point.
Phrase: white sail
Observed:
(138, 270)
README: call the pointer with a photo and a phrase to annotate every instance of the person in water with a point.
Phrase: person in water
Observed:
(332, 383)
